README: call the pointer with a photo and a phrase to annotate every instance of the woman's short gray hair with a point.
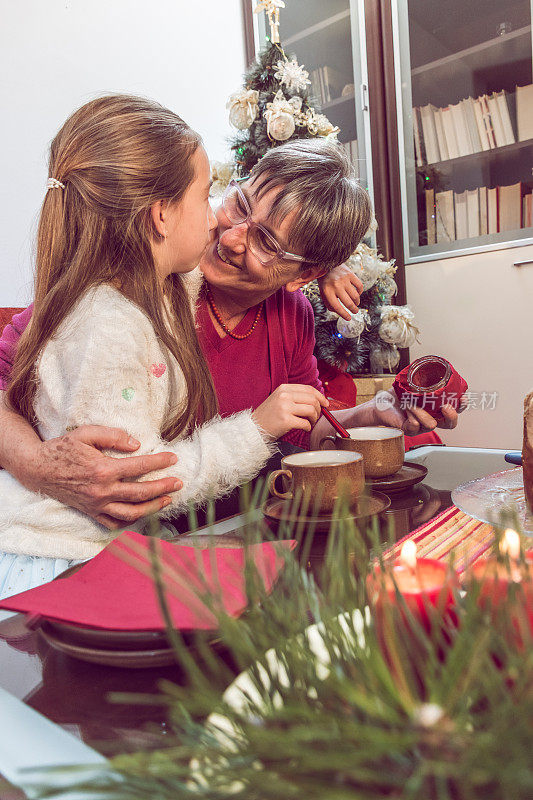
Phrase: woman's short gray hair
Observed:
(317, 180)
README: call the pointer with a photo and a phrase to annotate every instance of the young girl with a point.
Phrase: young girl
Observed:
(112, 339)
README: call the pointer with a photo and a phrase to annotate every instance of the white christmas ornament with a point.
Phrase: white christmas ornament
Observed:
(384, 356)
(370, 268)
(281, 126)
(397, 326)
(365, 267)
(325, 127)
(319, 125)
(292, 75)
(272, 8)
(269, 6)
(221, 173)
(353, 328)
(279, 115)
(243, 108)
(386, 286)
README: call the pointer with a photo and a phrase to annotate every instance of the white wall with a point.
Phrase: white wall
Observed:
(476, 311)
(57, 54)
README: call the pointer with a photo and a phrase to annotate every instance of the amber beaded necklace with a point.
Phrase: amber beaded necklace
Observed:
(218, 317)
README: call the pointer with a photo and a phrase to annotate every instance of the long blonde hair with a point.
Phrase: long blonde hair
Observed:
(116, 156)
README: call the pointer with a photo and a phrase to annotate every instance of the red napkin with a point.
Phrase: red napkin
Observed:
(429, 383)
(110, 593)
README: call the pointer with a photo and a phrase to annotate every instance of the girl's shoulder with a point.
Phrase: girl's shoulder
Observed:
(103, 310)
(193, 283)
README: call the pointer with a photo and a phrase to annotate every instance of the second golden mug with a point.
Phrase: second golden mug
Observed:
(382, 448)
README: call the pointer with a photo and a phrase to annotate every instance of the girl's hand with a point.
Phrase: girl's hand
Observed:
(291, 405)
(340, 289)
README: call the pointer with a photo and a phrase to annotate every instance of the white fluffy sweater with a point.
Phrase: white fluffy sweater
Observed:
(105, 366)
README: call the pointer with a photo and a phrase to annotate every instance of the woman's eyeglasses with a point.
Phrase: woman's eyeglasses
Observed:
(260, 242)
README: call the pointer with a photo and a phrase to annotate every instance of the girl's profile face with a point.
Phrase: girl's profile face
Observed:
(186, 226)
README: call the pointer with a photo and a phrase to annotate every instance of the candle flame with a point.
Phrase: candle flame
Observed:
(510, 544)
(408, 554)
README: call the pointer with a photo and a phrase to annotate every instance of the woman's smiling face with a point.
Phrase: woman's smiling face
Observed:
(230, 266)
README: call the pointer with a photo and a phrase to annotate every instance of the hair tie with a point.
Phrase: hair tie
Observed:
(53, 183)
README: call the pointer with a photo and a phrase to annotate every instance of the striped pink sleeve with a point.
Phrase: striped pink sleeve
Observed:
(8, 344)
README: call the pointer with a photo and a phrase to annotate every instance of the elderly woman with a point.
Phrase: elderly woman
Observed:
(297, 217)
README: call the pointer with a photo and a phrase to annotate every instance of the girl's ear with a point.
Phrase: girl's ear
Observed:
(158, 218)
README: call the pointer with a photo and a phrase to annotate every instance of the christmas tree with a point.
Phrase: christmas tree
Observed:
(273, 107)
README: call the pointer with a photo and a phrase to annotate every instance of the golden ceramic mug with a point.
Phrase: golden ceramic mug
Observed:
(320, 478)
(382, 448)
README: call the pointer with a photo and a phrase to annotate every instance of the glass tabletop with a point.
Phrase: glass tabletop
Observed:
(76, 695)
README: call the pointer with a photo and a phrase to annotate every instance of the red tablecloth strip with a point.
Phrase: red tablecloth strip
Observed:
(454, 530)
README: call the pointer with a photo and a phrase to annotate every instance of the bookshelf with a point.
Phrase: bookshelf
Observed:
(466, 131)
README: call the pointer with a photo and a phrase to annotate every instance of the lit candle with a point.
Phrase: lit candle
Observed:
(426, 586)
(507, 584)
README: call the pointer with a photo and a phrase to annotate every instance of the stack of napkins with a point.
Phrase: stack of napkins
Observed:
(111, 592)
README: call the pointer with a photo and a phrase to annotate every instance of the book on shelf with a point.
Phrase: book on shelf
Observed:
(481, 124)
(445, 216)
(334, 81)
(430, 133)
(464, 144)
(327, 83)
(449, 132)
(496, 119)
(524, 112)
(487, 121)
(472, 125)
(506, 103)
(420, 150)
(527, 208)
(453, 216)
(467, 214)
(441, 136)
(483, 220)
(510, 207)
(492, 210)
(461, 216)
(473, 212)
(430, 216)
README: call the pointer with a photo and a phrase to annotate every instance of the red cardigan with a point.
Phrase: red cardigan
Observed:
(262, 363)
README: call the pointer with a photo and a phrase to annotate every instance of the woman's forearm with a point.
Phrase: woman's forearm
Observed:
(19, 446)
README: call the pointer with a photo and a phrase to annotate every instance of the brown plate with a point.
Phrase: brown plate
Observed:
(368, 506)
(409, 475)
(107, 639)
(131, 659)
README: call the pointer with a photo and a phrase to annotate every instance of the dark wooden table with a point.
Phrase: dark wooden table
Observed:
(75, 694)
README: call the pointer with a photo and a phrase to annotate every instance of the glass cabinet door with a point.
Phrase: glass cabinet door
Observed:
(328, 39)
(465, 101)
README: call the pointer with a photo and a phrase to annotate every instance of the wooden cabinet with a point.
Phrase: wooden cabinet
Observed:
(426, 98)
(464, 90)
(471, 302)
